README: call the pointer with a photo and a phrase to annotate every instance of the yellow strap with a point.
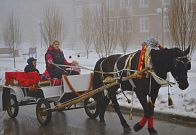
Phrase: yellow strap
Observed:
(128, 60)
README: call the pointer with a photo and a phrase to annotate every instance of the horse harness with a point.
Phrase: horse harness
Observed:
(119, 73)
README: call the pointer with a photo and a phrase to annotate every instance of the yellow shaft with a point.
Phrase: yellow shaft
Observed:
(93, 92)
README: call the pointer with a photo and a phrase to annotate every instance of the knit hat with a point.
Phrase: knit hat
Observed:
(30, 60)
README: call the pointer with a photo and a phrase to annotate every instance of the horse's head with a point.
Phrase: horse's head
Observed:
(180, 66)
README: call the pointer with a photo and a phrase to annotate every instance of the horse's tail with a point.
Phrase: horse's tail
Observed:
(97, 77)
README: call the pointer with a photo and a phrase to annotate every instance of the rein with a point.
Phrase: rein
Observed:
(97, 71)
(159, 80)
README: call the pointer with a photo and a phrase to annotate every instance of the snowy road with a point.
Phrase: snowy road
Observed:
(76, 122)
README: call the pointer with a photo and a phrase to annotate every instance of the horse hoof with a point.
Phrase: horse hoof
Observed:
(137, 127)
(152, 131)
(102, 123)
(127, 130)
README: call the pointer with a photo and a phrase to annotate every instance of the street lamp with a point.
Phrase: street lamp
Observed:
(40, 25)
(162, 12)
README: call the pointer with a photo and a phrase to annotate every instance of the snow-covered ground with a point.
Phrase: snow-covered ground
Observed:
(184, 101)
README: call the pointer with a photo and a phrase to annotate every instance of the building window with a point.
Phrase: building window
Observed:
(125, 3)
(144, 3)
(165, 2)
(144, 24)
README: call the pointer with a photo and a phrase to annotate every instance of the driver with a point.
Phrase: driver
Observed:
(53, 56)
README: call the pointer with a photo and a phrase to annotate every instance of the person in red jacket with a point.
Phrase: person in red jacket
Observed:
(54, 55)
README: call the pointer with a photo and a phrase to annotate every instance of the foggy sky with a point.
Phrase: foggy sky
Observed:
(30, 14)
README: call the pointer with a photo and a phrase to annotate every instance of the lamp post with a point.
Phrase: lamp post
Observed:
(162, 12)
(40, 25)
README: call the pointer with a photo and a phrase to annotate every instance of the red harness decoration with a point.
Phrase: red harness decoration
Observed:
(29, 79)
(141, 59)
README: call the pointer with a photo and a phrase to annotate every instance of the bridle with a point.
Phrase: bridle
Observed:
(176, 62)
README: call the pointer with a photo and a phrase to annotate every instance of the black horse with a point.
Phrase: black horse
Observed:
(165, 60)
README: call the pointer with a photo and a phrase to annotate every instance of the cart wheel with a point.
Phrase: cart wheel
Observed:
(43, 115)
(91, 108)
(12, 108)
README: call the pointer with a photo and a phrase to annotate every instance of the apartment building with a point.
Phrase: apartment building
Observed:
(146, 21)
(148, 17)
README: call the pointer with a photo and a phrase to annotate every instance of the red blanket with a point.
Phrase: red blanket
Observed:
(24, 79)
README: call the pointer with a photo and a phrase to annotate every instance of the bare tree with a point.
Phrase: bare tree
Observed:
(124, 29)
(104, 29)
(87, 29)
(182, 23)
(52, 27)
(32, 40)
(12, 34)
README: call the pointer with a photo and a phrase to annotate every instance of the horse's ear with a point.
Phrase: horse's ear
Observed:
(188, 65)
(186, 52)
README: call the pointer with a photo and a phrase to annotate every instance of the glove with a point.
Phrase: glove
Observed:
(74, 63)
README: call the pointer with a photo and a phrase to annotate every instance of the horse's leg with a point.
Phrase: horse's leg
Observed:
(117, 109)
(151, 129)
(143, 100)
(103, 102)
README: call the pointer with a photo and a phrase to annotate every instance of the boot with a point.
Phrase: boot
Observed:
(152, 131)
(137, 127)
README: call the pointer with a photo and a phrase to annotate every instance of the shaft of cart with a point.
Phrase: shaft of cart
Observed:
(93, 92)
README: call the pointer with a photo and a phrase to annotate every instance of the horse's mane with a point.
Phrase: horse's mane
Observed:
(162, 59)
